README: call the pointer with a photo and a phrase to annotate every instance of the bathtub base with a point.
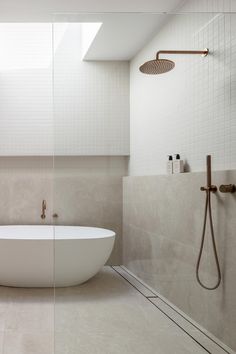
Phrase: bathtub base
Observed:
(47, 262)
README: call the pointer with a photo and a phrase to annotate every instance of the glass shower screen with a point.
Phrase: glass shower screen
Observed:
(113, 129)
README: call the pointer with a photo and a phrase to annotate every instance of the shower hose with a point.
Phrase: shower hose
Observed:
(208, 209)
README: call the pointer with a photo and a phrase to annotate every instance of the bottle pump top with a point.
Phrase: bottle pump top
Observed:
(177, 156)
(170, 157)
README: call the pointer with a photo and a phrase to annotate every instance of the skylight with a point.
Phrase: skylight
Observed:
(89, 32)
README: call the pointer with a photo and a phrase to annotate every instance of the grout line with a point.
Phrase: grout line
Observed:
(3, 340)
(162, 311)
(179, 313)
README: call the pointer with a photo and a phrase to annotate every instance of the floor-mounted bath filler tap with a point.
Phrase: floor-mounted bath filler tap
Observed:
(44, 207)
(208, 189)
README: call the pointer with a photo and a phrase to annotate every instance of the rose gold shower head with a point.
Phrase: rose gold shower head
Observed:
(157, 66)
(160, 66)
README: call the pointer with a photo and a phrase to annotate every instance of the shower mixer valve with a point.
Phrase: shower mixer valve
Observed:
(227, 188)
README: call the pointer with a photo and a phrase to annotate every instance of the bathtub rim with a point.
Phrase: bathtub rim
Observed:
(50, 234)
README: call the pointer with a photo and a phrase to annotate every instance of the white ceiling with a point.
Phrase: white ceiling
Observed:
(121, 35)
(43, 10)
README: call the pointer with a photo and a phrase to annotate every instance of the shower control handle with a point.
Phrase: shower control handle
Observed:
(227, 188)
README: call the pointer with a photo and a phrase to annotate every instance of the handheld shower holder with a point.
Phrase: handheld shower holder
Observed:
(211, 188)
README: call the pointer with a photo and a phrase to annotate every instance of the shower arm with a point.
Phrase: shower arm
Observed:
(204, 52)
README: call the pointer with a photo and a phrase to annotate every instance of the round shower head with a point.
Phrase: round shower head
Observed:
(157, 66)
(160, 66)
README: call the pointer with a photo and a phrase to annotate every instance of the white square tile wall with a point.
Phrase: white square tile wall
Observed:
(209, 6)
(26, 117)
(61, 107)
(91, 100)
(192, 109)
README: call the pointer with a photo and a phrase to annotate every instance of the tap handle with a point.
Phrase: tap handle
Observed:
(44, 207)
(228, 188)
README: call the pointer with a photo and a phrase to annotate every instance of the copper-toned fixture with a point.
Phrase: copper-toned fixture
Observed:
(209, 186)
(160, 66)
(227, 188)
(44, 207)
(208, 189)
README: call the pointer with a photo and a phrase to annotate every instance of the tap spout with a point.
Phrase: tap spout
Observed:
(44, 207)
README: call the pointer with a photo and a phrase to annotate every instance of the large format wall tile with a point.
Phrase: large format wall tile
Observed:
(84, 191)
(91, 201)
(162, 218)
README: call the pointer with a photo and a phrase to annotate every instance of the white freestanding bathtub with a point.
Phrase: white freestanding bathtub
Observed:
(47, 256)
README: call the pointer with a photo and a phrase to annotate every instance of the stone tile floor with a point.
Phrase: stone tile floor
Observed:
(106, 315)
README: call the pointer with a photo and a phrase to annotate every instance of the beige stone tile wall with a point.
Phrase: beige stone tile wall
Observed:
(91, 200)
(84, 191)
(162, 226)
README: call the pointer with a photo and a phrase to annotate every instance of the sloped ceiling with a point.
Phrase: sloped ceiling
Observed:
(121, 36)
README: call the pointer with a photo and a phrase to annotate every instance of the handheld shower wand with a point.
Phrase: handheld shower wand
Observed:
(208, 189)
